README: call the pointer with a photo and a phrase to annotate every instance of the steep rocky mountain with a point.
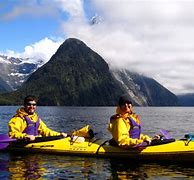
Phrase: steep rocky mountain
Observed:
(15, 71)
(4, 87)
(77, 76)
(145, 90)
(125, 78)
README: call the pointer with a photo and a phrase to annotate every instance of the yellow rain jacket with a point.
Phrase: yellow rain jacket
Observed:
(18, 124)
(119, 127)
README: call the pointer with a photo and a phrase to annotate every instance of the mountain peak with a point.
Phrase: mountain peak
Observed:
(74, 51)
(71, 43)
(73, 76)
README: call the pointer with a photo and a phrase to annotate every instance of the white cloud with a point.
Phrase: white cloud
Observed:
(153, 37)
(73, 7)
(43, 49)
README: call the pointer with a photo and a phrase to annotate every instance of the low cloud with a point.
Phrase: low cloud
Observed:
(43, 49)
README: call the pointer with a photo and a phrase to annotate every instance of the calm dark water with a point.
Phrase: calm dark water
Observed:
(177, 120)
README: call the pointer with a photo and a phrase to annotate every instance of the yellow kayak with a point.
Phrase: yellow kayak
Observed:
(171, 150)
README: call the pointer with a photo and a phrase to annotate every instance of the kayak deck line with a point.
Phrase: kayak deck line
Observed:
(42, 146)
(101, 146)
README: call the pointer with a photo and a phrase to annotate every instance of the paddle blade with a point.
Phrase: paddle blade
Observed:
(4, 138)
(165, 133)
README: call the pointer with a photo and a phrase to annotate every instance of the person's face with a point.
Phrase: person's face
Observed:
(30, 107)
(126, 107)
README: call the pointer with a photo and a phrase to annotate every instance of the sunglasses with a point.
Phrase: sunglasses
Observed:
(30, 104)
(128, 103)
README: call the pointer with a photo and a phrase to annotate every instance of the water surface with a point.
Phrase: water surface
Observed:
(178, 120)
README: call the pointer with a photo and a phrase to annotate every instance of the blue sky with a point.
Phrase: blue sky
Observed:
(152, 37)
(23, 28)
(18, 33)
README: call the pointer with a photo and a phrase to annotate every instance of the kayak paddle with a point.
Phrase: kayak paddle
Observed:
(5, 140)
(165, 133)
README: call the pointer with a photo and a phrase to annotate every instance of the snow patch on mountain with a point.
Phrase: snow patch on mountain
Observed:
(2, 60)
(15, 71)
(127, 82)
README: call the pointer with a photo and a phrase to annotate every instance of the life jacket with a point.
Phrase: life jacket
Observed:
(135, 129)
(32, 127)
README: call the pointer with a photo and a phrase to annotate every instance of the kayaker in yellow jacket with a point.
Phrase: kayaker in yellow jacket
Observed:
(26, 124)
(125, 125)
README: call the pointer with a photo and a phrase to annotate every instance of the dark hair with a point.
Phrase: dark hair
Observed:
(30, 98)
(124, 99)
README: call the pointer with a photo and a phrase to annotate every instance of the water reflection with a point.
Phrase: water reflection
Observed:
(139, 170)
(4, 166)
(67, 167)
(42, 166)
(26, 167)
(126, 170)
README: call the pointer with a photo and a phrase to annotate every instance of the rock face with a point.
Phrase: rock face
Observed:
(15, 71)
(145, 91)
(4, 87)
(77, 76)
